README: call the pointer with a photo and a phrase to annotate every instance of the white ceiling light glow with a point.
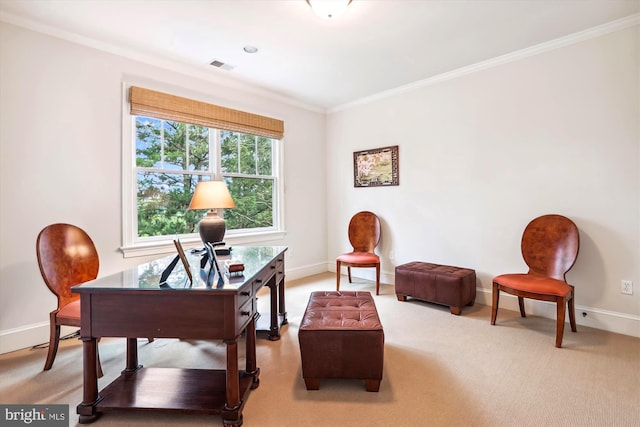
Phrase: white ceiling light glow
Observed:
(328, 8)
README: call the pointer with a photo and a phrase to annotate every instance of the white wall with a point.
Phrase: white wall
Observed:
(480, 155)
(60, 161)
(484, 153)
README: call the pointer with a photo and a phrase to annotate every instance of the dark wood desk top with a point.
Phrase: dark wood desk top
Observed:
(147, 276)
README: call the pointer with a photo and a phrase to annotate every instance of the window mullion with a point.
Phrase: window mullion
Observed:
(238, 150)
(186, 148)
(255, 154)
(215, 150)
(162, 142)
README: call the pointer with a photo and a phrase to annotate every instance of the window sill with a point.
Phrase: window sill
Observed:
(162, 247)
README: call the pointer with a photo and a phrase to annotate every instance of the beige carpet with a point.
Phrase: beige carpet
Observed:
(439, 370)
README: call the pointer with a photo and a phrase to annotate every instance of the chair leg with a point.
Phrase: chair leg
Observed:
(494, 305)
(338, 276)
(572, 314)
(54, 339)
(377, 279)
(560, 322)
(521, 304)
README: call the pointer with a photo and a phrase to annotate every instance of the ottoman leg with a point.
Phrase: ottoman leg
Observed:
(455, 310)
(372, 385)
(312, 383)
(401, 297)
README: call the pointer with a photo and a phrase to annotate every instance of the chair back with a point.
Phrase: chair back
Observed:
(66, 257)
(364, 231)
(550, 245)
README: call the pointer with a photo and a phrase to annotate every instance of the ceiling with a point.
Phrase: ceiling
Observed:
(377, 45)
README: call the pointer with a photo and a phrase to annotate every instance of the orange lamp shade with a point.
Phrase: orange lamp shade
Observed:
(211, 195)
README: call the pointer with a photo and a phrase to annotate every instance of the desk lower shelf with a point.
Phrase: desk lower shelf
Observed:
(198, 391)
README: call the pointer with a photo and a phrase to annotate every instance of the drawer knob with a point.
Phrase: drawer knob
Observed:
(245, 293)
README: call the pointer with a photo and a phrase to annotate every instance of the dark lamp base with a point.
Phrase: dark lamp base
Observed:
(212, 228)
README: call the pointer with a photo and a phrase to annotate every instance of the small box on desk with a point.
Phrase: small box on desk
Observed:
(234, 267)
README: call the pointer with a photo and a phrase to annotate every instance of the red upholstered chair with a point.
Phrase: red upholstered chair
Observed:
(364, 235)
(550, 245)
(66, 257)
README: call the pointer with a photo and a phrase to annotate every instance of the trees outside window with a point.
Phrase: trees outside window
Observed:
(172, 157)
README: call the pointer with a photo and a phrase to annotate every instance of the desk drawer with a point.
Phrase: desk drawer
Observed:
(245, 294)
(245, 313)
(280, 269)
(263, 277)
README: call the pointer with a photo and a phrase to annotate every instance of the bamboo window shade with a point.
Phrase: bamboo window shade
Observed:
(146, 102)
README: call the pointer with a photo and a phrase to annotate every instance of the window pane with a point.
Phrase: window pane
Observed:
(264, 156)
(175, 145)
(229, 152)
(148, 142)
(163, 200)
(247, 154)
(254, 203)
(198, 148)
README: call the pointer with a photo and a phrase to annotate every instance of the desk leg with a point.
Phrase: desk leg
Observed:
(231, 413)
(274, 329)
(281, 308)
(132, 355)
(90, 397)
(252, 368)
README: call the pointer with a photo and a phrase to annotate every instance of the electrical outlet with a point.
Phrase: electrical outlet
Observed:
(627, 287)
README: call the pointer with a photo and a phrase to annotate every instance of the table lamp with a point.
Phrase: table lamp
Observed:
(211, 195)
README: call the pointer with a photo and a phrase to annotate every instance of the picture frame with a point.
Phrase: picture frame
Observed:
(183, 258)
(376, 167)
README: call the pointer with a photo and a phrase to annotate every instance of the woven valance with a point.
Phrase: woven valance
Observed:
(146, 102)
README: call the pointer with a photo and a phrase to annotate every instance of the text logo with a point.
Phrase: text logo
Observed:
(34, 415)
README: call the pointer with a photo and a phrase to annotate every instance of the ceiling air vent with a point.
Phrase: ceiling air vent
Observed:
(220, 64)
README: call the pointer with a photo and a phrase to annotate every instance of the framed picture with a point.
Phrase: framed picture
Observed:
(375, 168)
(183, 258)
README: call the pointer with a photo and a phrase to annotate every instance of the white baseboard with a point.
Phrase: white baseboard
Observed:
(611, 321)
(309, 270)
(621, 323)
(28, 336)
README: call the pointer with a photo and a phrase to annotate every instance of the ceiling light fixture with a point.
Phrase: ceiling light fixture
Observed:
(328, 8)
(250, 49)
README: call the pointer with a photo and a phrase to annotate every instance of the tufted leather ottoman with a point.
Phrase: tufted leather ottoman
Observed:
(341, 337)
(441, 284)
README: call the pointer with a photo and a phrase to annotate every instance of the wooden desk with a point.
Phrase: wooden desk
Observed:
(132, 304)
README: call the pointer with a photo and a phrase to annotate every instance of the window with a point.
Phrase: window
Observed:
(169, 158)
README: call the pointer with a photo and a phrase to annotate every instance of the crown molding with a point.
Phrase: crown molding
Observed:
(200, 71)
(600, 30)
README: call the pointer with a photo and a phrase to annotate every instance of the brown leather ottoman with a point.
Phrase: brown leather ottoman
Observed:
(341, 336)
(440, 284)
